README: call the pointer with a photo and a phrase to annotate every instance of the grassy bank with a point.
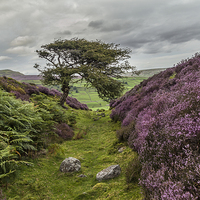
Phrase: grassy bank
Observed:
(97, 149)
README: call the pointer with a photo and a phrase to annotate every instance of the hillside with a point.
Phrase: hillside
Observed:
(10, 73)
(150, 72)
(24, 91)
(18, 76)
(38, 134)
(160, 120)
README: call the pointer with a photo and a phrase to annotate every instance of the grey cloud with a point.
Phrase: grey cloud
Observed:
(96, 24)
(182, 34)
(64, 33)
(148, 27)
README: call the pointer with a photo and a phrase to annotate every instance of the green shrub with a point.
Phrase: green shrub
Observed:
(133, 170)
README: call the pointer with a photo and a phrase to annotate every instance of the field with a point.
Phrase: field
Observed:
(89, 96)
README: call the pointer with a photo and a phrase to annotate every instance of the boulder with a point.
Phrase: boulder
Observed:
(109, 173)
(70, 165)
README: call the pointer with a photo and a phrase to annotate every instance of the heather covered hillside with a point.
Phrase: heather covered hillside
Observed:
(161, 121)
(24, 91)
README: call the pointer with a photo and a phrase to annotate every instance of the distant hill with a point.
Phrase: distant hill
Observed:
(9, 73)
(18, 75)
(147, 72)
(151, 72)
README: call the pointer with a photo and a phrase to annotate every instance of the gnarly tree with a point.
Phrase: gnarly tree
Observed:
(99, 63)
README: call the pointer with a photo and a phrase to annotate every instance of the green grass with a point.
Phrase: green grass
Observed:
(96, 150)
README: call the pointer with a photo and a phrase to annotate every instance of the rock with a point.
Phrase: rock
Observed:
(82, 176)
(70, 165)
(103, 114)
(121, 149)
(96, 119)
(109, 173)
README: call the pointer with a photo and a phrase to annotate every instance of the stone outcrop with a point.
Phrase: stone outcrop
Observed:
(70, 165)
(109, 173)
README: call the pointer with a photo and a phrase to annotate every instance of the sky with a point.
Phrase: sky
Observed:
(160, 33)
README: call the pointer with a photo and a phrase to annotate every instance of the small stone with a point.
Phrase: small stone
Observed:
(121, 149)
(103, 114)
(82, 176)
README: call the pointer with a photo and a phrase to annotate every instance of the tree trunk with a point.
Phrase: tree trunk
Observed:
(64, 96)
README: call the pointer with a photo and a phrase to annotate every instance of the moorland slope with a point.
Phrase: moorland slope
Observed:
(160, 120)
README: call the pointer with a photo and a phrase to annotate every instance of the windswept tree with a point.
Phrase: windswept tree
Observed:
(99, 63)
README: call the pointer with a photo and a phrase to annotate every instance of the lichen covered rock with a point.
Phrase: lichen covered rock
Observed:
(70, 165)
(109, 173)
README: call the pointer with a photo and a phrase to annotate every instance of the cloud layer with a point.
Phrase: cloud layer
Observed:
(160, 33)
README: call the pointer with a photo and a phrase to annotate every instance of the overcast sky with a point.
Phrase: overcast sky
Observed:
(160, 32)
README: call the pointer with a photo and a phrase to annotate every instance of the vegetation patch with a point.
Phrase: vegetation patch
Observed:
(93, 150)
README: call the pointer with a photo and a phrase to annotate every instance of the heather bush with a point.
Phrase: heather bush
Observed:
(24, 91)
(55, 92)
(165, 112)
(74, 103)
(64, 131)
(44, 90)
(31, 89)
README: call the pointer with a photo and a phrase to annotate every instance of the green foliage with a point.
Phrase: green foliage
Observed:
(173, 75)
(49, 108)
(9, 84)
(95, 61)
(22, 131)
(17, 119)
(133, 170)
(47, 182)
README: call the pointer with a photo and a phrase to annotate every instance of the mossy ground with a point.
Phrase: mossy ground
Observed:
(97, 149)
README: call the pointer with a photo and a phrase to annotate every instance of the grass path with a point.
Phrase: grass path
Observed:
(97, 150)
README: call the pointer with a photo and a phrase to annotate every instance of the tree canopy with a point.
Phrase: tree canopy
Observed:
(99, 63)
